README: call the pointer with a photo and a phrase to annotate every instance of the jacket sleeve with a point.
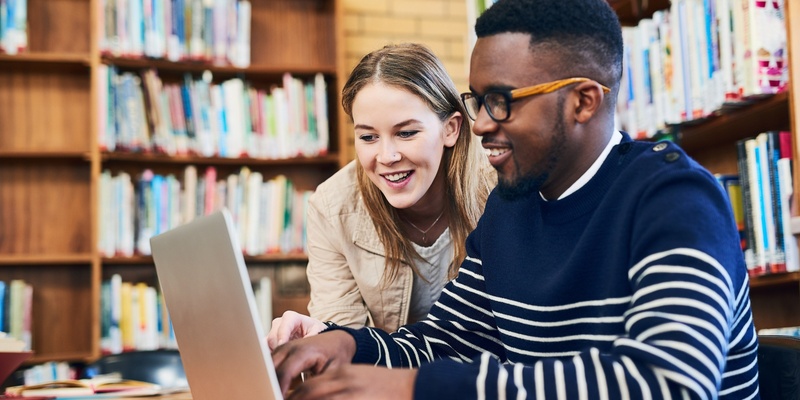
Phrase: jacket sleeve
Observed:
(334, 293)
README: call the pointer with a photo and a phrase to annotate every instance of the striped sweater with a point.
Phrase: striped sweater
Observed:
(632, 287)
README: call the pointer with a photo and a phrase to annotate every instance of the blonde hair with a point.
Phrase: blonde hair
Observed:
(414, 68)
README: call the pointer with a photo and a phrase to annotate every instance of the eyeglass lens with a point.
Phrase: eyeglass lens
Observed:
(496, 104)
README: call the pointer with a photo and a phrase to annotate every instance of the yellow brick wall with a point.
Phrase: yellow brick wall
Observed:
(439, 24)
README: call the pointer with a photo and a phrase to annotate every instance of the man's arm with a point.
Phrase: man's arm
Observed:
(460, 326)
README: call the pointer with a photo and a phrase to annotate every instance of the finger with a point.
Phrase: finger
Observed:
(290, 361)
(326, 386)
(272, 337)
(287, 330)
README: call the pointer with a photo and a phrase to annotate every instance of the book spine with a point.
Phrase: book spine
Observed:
(778, 263)
(747, 205)
(753, 169)
(765, 194)
(786, 191)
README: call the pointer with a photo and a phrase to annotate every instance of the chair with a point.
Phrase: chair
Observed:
(162, 367)
(779, 367)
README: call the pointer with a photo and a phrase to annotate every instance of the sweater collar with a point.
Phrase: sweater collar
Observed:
(614, 140)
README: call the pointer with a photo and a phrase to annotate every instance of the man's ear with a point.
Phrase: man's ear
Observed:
(452, 128)
(588, 101)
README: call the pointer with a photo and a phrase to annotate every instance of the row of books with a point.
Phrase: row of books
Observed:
(197, 116)
(13, 26)
(761, 198)
(16, 309)
(269, 214)
(133, 316)
(48, 372)
(700, 57)
(215, 31)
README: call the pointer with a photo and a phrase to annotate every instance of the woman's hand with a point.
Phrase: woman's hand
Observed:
(292, 326)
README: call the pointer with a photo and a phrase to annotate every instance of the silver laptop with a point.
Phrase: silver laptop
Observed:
(212, 308)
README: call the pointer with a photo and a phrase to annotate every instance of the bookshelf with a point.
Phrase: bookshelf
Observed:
(50, 160)
(712, 142)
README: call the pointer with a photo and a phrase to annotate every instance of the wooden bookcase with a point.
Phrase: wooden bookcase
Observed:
(775, 298)
(50, 162)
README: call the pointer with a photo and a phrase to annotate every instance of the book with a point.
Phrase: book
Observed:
(754, 184)
(778, 262)
(111, 383)
(786, 191)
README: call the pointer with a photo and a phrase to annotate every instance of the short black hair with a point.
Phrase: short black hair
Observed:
(585, 33)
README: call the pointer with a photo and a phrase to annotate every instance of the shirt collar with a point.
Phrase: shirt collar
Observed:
(616, 137)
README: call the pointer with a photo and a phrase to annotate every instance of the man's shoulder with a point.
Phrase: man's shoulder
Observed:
(657, 157)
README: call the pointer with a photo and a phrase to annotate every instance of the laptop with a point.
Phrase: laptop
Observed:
(210, 301)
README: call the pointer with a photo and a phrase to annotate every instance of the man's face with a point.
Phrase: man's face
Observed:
(527, 148)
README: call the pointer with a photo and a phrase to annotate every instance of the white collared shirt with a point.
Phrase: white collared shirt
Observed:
(616, 137)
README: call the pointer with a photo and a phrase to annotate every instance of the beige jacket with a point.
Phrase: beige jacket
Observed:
(346, 260)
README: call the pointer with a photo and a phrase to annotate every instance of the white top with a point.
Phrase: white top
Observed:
(437, 261)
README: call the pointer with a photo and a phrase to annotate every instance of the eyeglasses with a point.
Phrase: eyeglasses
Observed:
(498, 102)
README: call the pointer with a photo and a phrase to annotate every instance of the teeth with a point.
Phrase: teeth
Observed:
(494, 152)
(396, 177)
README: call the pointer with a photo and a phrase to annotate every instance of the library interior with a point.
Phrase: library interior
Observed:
(120, 120)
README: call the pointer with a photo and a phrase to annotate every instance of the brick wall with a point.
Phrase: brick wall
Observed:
(439, 24)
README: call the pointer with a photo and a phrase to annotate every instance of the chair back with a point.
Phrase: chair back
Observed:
(779, 367)
(162, 367)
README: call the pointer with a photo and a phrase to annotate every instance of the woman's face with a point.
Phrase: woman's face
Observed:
(399, 142)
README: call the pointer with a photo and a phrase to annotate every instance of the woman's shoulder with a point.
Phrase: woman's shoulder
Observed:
(339, 193)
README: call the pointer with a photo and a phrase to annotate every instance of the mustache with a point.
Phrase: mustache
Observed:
(494, 142)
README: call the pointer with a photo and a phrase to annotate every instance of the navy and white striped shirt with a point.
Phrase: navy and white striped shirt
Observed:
(634, 287)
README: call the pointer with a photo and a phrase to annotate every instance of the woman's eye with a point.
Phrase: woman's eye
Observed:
(366, 138)
(406, 134)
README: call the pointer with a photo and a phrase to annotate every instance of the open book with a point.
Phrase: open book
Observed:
(111, 383)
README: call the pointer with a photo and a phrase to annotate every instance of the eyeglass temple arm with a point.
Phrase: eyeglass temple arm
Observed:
(551, 87)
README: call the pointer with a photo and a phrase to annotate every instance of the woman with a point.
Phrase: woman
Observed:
(387, 231)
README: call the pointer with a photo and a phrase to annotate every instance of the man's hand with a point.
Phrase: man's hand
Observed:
(292, 326)
(358, 382)
(313, 354)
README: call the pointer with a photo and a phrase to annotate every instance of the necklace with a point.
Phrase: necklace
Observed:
(423, 232)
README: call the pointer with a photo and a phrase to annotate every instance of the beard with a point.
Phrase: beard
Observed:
(528, 183)
(511, 190)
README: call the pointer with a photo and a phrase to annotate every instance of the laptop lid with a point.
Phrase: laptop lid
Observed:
(212, 308)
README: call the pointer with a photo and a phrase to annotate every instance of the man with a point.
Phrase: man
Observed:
(601, 268)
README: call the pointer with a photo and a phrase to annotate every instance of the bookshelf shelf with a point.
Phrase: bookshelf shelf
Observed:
(770, 281)
(266, 258)
(58, 59)
(52, 165)
(54, 155)
(52, 259)
(151, 159)
(199, 66)
(771, 113)
(67, 357)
